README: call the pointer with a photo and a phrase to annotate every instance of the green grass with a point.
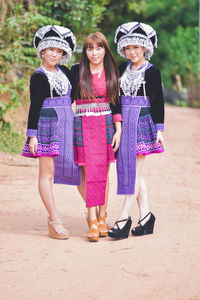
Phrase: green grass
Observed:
(11, 141)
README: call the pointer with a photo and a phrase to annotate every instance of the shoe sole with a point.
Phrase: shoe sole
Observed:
(141, 234)
(93, 240)
(118, 237)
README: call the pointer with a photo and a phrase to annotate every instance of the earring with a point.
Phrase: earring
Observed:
(146, 54)
(42, 56)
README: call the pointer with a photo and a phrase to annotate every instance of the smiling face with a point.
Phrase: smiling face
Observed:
(52, 57)
(95, 54)
(135, 53)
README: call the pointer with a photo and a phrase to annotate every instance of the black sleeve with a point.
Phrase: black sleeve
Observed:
(116, 109)
(67, 72)
(122, 68)
(155, 92)
(74, 81)
(37, 85)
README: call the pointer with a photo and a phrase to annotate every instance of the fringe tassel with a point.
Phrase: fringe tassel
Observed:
(93, 112)
(144, 89)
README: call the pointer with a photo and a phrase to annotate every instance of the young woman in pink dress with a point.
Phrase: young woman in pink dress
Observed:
(97, 126)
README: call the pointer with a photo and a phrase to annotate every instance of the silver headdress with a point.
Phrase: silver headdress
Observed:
(56, 37)
(134, 33)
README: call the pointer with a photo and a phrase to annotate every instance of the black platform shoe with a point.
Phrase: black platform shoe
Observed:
(147, 228)
(121, 233)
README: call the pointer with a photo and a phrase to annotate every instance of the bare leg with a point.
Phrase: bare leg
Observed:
(46, 172)
(129, 199)
(82, 187)
(142, 200)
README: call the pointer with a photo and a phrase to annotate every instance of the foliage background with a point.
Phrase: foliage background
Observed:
(176, 23)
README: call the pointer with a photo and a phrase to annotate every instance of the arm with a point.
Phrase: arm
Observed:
(74, 80)
(117, 116)
(116, 111)
(117, 136)
(157, 103)
(68, 74)
(36, 97)
(34, 110)
(155, 92)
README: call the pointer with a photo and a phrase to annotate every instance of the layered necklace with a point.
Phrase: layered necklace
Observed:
(57, 81)
(131, 80)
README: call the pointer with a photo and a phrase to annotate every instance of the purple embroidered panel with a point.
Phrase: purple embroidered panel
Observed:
(137, 101)
(126, 158)
(66, 171)
(57, 102)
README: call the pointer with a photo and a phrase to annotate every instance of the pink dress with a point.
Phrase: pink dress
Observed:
(93, 132)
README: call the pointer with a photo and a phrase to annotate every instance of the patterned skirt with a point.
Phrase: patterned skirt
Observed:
(47, 135)
(79, 143)
(146, 134)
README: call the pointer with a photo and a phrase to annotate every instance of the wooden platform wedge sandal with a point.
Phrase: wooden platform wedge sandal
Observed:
(56, 231)
(93, 232)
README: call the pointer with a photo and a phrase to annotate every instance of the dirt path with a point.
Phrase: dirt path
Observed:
(161, 266)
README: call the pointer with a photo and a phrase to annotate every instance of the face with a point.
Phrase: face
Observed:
(135, 53)
(95, 54)
(52, 56)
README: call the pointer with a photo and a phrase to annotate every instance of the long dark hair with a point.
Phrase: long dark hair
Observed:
(110, 66)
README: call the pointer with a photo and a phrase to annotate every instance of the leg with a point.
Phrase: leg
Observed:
(129, 199)
(103, 208)
(93, 233)
(103, 226)
(147, 219)
(82, 187)
(123, 224)
(46, 172)
(142, 199)
(82, 191)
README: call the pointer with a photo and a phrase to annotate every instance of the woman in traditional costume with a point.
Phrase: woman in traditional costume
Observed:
(50, 120)
(96, 92)
(143, 123)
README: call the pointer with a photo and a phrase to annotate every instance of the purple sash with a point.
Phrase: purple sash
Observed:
(65, 171)
(126, 157)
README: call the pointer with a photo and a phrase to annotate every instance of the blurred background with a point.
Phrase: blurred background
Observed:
(177, 56)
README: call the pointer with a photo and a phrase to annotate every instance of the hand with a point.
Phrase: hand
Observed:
(160, 138)
(116, 140)
(33, 144)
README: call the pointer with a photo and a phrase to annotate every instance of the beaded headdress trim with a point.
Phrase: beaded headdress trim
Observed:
(55, 37)
(134, 33)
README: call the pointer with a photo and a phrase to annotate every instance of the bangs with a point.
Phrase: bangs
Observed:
(91, 42)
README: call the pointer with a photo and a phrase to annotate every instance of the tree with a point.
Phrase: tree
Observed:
(81, 16)
(183, 55)
(20, 20)
(17, 57)
(165, 16)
